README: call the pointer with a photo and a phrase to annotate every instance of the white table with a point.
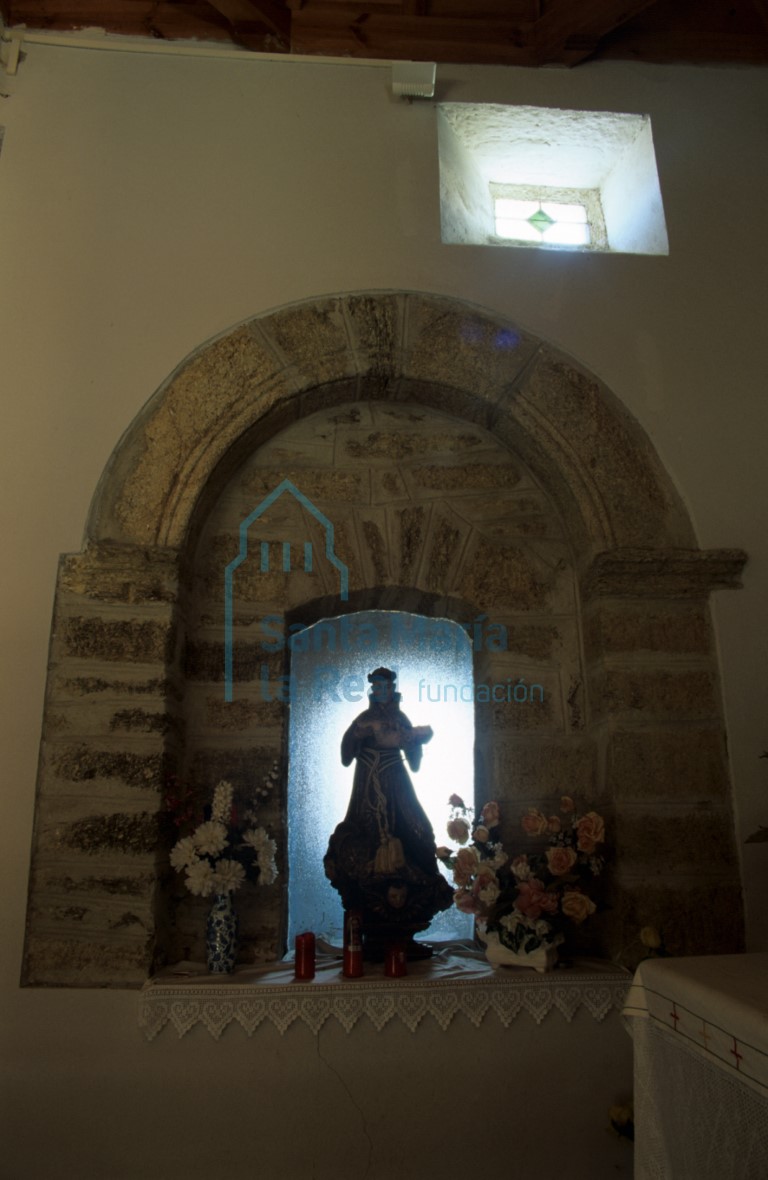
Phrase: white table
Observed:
(700, 1032)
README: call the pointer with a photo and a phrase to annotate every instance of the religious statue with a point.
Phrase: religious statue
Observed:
(381, 857)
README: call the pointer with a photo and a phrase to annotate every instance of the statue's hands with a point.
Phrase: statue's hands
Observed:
(419, 735)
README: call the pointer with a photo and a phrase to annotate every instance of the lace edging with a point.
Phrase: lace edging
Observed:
(184, 1005)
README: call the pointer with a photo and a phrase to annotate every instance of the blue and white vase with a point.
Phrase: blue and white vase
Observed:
(221, 935)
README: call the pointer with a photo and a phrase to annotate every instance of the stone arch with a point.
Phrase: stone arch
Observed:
(637, 725)
(591, 456)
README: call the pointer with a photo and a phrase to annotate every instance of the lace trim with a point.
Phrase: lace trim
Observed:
(251, 997)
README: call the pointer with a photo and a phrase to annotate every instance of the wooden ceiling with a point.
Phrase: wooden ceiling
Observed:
(488, 32)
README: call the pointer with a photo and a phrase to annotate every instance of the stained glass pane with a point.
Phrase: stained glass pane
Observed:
(541, 220)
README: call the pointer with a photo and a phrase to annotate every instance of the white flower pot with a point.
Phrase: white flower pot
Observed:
(542, 959)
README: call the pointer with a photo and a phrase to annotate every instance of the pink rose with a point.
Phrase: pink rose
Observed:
(533, 899)
(490, 814)
(534, 823)
(566, 804)
(554, 825)
(458, 830)
(560, 861)
(591, 832)
(577, 906)
(465, 867)
(457, 801)
(465, 901)
(481, 835)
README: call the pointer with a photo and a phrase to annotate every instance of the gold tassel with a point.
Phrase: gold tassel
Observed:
(389, 857)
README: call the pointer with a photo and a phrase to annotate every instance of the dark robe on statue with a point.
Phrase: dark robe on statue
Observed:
(381, 857)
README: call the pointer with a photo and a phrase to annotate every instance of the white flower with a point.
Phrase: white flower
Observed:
(210, 838)
(200, 878)
(265, 849)
(228, 876)
(499, 857)
(489, 893)
(511, 920)
(184, 853)
(222, 803)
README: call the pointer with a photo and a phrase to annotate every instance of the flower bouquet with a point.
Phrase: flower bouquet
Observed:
(221, 854)
(217, 858)
(524, 904)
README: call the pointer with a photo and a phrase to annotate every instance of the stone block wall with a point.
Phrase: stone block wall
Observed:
(113, 732)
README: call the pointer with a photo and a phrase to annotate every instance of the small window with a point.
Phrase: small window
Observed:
(550, 179)
(547, 216)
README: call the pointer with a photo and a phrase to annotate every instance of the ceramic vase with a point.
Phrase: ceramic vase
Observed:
(544, 958)
(221, 935)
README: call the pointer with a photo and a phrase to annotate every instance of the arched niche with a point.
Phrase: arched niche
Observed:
(135, 686)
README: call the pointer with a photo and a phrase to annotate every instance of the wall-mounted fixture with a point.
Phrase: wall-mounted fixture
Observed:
(413, 79)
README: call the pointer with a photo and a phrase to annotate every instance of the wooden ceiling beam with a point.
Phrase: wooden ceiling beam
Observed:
(315, 30)
(761, 8)
(568, 32)
(670, 48)
(246, 13)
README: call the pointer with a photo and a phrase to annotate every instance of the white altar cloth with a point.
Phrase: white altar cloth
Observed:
(700, 1032)
(455, 981)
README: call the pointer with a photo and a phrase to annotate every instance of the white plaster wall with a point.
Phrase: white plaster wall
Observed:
(147, 204)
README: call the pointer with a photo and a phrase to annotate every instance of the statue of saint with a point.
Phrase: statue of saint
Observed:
(381, 857)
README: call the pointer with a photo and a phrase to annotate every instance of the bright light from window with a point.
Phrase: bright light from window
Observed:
(319, 787)
(553, 223)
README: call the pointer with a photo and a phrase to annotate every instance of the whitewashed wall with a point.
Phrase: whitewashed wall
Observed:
(148, 203)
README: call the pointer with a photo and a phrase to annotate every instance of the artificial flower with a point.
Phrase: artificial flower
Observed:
(458, 830)
(210, 838)
(567, 804)
(183, 853)
(221, 810)
(228, 876)
(591, 831)
(534, 823)
(533, 898)
(577, 906)
(560, 860)
(481, 835)
(200, 878)
(554, 824)
(490, 814)
(650, 937)
(457, 801)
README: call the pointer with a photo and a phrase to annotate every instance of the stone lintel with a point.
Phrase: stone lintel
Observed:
(663, 573)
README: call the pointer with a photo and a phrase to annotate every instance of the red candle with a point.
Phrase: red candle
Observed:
(395, 963)
(353, 945)
(305, 956)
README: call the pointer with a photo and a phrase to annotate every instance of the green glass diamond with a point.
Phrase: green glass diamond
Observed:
(541, 221)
